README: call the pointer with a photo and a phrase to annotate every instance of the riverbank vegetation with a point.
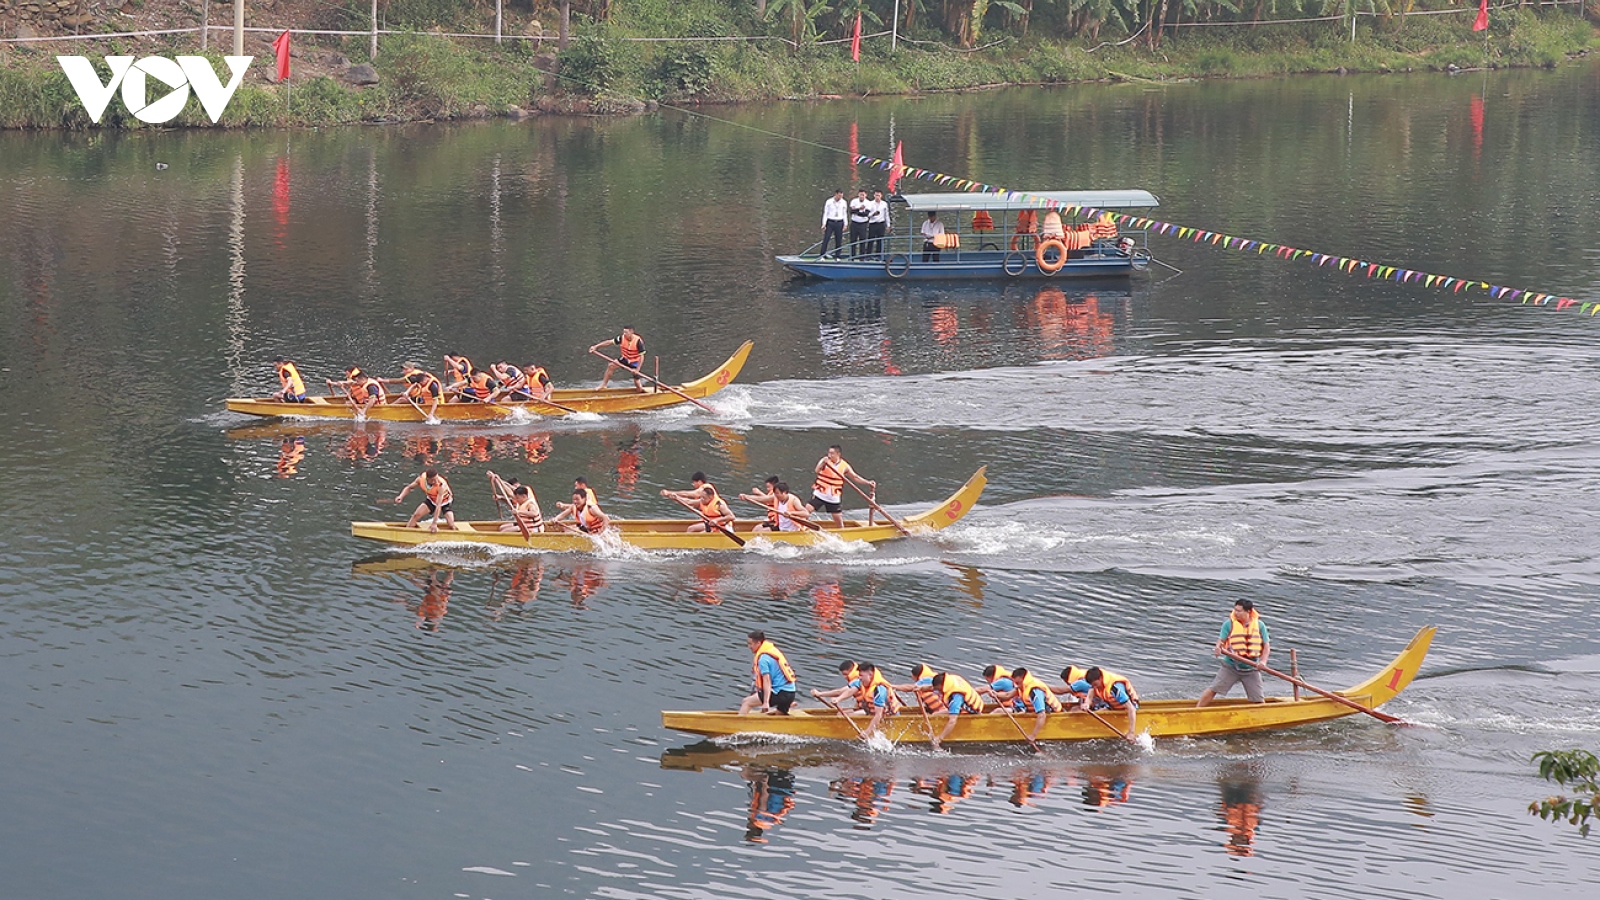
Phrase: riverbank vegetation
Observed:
(620, 55)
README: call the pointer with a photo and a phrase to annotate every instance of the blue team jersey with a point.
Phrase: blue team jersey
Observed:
(767, 664)
(1118, 691)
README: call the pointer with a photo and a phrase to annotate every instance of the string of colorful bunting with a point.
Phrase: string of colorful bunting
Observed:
(1345, 264)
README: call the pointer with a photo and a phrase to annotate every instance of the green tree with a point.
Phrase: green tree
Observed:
(1575, 770)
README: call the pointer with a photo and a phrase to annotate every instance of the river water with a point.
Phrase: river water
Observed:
(213, 690)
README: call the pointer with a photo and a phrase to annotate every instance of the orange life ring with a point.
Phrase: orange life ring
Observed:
(1050, 268)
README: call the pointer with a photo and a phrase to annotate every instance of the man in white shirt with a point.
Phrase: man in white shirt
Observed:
(834, 212)
(860, 212)
(931, 229)
(877, 224)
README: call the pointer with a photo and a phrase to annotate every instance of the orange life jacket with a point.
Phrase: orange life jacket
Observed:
(458, 367)
(289, 375)
(515, 380)
(1245, 640)
(480, 385)
(365, 388)
(982, 221)
(1104, 227)
(425, 387)
(767, 648)
(439, 493)
(536, 376)
(1028, 685)
(1104, 690)
(955, 685)
(711, 508)
(588, 518)
(528, 511)
(830, 477)
(631, 348)
(865, 691)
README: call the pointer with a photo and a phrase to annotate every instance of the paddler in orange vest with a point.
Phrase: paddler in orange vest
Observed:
(850, 671)
(524, 504)
(630, 356)
(1104, 689)
(582, 484)
(1070, 676)
(958, 697)
(921, 685)
(587, 516)
(703, 498)
(827, 490)
(1036, 697)
(363, 391)
(436, 499)
(456, 368)
(477, 387)
(875, 695)
(294, 387)
(538, 382)
(772, 678)
(513, 384)
(1245, 634)
(422, 389)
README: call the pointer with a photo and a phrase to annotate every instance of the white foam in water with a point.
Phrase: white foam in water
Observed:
(585, 417)
(877, 742)
(489, 870)
(1146, 742)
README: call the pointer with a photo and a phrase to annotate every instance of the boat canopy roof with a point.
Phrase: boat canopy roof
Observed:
(1126, 199)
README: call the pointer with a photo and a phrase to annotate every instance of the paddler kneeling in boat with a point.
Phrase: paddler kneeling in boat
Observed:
(436, 499)
(785, 512)
(477, 387)
(957, 696)
(702, 497)
(524, 505)
(1108, 690)
(850, 671)
(875, 695)
(1035, 696)
(998, 684)
(423, 390)
(922, 686)
(585, 515)
(772, 678)
(363, 391)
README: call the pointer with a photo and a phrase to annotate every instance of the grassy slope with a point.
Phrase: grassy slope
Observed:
(429, 78)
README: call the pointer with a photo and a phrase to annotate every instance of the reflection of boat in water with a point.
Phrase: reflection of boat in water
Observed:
(989, 236)
(589, 400)
(674, 534)
(1159, 718)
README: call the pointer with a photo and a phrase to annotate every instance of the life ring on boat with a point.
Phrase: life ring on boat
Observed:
(1045, 265)
(1014, 264)
(897, 266)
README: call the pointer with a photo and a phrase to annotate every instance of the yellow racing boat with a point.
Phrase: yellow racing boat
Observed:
(674, 534)
(1158, 718)
(591, 400)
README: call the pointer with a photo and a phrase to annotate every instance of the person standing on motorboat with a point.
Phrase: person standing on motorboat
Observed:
(834, 213)
(877, 224)
(860, 216)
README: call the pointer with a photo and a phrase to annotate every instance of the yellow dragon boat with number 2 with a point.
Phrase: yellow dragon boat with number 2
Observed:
(1158, 718)
(589, 400)
(674, 534)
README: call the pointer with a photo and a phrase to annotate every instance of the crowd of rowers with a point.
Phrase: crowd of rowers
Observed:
(869, 692)
(462, 382)
(785, 511)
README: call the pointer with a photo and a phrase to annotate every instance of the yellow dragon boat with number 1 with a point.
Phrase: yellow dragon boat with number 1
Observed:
(1158, 718)
(674, 534)
(590, 400)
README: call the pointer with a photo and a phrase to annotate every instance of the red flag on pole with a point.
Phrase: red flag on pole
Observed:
(1483, 16)
(895, 165)
(855, 40)
(281, 48)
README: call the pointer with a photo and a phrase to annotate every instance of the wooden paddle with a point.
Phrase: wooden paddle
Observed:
(707, 519)
(804, 523)
(842, 714)
(1337, 698)
(1006, 708)
(1114, 729)
(561, 406)
(868, 497)
(661, 384)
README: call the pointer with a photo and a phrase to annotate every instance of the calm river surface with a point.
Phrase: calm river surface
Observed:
(212, 690)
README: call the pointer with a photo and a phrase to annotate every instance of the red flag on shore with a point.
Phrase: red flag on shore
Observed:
(281, 48)
(855, 40)
(896, 164)
(1483, 16)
